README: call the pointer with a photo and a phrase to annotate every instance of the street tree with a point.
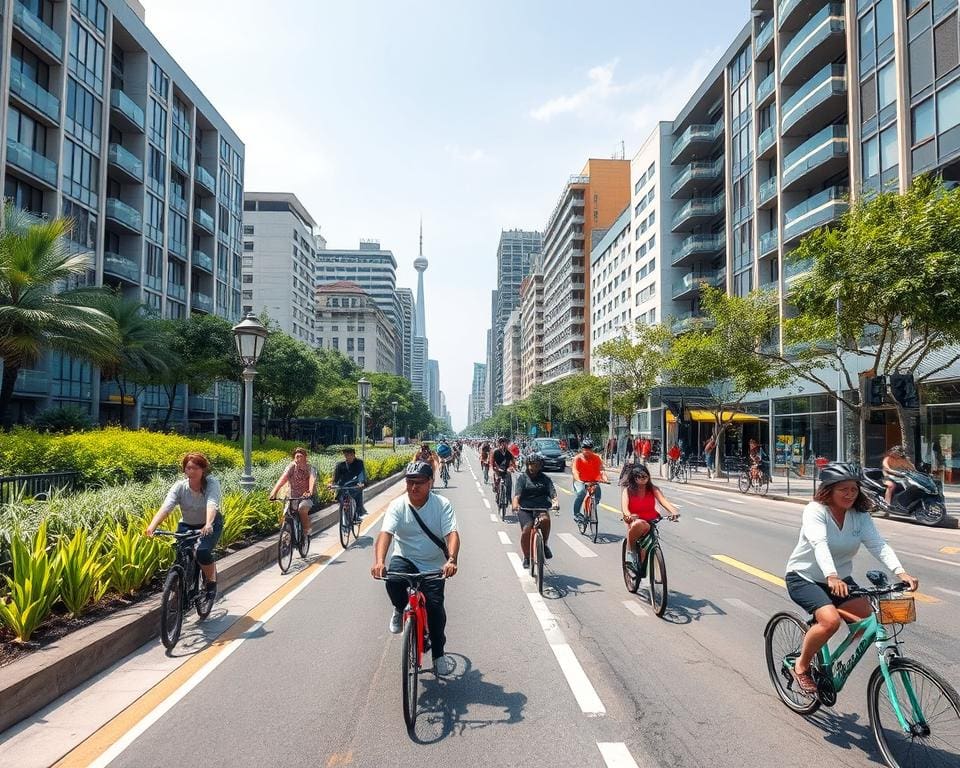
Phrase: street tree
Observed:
(636, 360)
(287, 374)
(584, 400)
(335, 396)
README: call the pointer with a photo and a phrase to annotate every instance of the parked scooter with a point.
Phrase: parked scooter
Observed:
(917, 495)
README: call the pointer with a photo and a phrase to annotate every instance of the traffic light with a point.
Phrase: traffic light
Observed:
(904, 390)
(876, 390)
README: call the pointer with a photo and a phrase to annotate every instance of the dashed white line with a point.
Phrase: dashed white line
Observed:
(577, 546)
(745, 607)
(494, 518)
(948, 591)
(486, 502)
(932, 559)
(616, 755)
(504, 539)
(634, 608)
(708, 522)
(735, 514)
(692, 493)
(735, 501)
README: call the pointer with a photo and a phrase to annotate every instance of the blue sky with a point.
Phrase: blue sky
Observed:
(469, 114)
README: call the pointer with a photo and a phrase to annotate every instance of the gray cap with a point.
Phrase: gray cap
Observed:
(419, 469)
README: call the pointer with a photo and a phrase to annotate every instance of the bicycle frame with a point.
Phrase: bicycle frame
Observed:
(417, 608)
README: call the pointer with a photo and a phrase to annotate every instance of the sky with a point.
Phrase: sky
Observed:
(471, 115)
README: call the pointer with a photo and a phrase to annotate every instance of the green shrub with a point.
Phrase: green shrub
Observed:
(238, 518)
(63, 419)
(133, 557)
(83, 579)
(34, 585)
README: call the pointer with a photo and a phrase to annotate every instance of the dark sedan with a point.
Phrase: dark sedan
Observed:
(554, 459)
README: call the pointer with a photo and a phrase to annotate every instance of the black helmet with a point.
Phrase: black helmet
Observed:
(898, 450)
(838, 472)
(586, 443)
(419, 469)
(534, 458)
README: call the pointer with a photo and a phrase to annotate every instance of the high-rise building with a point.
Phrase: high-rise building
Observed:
(102, 125)
(512, 376)
(419, 375)
(279, 254)
(350, 321)
(514, 251)
(611, 284)
(591, 200)
(433, 377)
(478, 393)
(405, 299)
(531, 328)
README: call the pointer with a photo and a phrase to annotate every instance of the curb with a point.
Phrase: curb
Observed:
(31, 683)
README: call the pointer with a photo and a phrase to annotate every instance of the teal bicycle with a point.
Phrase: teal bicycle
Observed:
(914, 712)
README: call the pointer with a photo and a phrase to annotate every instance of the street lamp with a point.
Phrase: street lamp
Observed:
(250, 336)
(363, 392)
(393, 405)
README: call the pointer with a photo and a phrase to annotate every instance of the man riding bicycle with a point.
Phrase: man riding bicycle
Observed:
(428, 456)
(534, 491)
(352, 472)
(485, 449)
(587, 468)
(502, 462)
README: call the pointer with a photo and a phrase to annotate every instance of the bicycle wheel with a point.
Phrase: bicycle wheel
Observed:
(346, 520)
(657, 583)
(934, 737)
(204, 603)
(595, 522)
(782, 640)
(683, 474)
(171, 608)
(303, 545)
(762, 485)
(538, 558)
(631, 576)
(585, 510)
(502, 499)
(356, 522)
(285, 546)
(410, 670)
(743, 482)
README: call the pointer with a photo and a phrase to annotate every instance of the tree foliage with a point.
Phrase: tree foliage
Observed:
(287, 374)
(636, 359)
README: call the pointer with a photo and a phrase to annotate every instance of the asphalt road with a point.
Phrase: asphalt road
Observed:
(585, 676)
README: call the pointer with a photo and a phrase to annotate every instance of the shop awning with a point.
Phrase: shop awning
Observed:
(700, 414)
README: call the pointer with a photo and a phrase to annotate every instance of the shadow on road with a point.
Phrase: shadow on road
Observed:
(683, 608)
(609, 538)
(445, 705)
(558, 585)
(847, 732)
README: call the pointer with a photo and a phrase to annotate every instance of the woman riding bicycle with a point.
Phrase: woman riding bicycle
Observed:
(198, 496)
(819, 580)
(302, 481)
(428, 456)
(534, 490)
(638, 504)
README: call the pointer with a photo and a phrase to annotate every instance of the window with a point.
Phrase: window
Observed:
(26, 131)
(154, 265)
(153, 210)
(23, 195)
(158, 123)
(889, 159)
(948, 107)
(924, 122)
(945, 47)
(156, 169)
(248, 245)
(84, 233)
(94, 11)
(81, 173)
(335, 342)
(248, 278)
(83, 118)
(248, 229)
(884, 11)
(887, 85)
(86, 56)
(159, 81)
(871, 158)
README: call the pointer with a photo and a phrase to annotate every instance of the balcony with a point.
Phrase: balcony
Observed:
(203, 261)
(126, 216)
(768, 242)
(697, 172)
(697, 211)
(32, 382)
(688, 321)
(697, 139)
(821, 156)
(767, 194)
(765, 89)
(822, 38)
(697, 247)
(176, 291)
(770, 286)
(763, 40)
(795, 268)
(689, 285)
(766, 143)
(205, 179)
(201, 404)
(814, 212)
(126, 162)
(24, 158)
(180, 161)
(38, 31)
(35, 96)
(177, 203)
(203, 219)
(201, 302)
(118, 266)
(127, 110)
(793, 13)
(822, 99)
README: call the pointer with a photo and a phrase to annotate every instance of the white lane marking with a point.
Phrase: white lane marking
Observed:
(504, 539)
(687, 490)
(634, 608)
(548, 623)
(577, 546)
(708, 522)
(735, 501)
(735, 514)
(949, 591)
(745, 607)
(616, 755)
(494, 518)
(486, 502)
(578, 681)
(931, 559)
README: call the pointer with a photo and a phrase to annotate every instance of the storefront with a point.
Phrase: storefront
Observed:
(940, 430)
(804, 429)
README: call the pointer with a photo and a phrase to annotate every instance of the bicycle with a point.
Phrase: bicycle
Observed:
(646, 559)
(756, 478)
(486, 473)
(537, 544)
(503, 495)
(456, 461)
(182, 587)
(905, 725)
(349, 519)
(678, 469)
(413, 637)
(445, 472)
(291, 534)
(589, 513)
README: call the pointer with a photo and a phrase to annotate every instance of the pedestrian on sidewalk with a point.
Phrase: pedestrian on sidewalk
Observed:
(709, 454)
(643, 448)
(611, 450)
(628, 450)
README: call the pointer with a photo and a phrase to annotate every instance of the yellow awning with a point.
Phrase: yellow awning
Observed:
(699, 414)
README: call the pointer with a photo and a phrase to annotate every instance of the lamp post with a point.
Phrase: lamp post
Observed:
(250, 336)
(393, 405)
(363, 392)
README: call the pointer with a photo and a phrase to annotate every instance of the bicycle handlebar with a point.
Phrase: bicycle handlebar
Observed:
(413, 579)
(179, 536)
(291, 498)
(900, 586)
(347, 487)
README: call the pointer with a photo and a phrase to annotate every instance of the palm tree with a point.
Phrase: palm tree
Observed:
(34, 316)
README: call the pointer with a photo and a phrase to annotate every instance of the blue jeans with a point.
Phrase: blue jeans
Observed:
(432, 591)
(206, 543)
(581, 495)
(357, 494)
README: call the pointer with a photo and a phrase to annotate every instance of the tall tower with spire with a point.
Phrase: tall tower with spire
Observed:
(420, 264)
(419, 374)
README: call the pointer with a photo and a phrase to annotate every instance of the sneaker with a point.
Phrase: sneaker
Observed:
(546, 552)
(577, 517)
(395, 622)
(526, 562)
(443, 666)
(211, 591)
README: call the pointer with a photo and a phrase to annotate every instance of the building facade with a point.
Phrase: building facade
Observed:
(350, 321)
(531, 328)
(433, 387)
(512, 349)
(478, 393)
(405, 299)
(611, 283)
(103, 126)
(279, 256)
(419, 373)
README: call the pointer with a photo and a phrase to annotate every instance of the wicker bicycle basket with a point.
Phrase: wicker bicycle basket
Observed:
(900, 610)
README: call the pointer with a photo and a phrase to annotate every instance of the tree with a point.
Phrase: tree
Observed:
(584, 399)
(287, 374)
(882, 294)
(335, 396)
(636, 360)
(36, 317)
(386, 388)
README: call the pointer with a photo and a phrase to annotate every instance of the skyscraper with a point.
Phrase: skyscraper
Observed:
(433, 376)
(418, 371)
(405, 298)
(478, 393)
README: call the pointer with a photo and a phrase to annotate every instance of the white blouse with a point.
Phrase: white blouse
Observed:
(825, 549)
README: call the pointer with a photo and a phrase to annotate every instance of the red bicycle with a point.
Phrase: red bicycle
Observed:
(413, 637)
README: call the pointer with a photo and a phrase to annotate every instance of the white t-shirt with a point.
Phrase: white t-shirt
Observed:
(824, 548)
(409, 540)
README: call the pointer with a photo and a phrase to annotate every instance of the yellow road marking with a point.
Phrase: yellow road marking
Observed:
(925, 598)
(569, 493)
(950, 550)
(113, 730)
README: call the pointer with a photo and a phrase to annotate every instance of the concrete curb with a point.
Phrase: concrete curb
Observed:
(31, 683)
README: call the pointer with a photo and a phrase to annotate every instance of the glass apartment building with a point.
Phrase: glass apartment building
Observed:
(103, 126)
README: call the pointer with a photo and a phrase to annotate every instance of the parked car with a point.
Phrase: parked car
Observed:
(554, 459)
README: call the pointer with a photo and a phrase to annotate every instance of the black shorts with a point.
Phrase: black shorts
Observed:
(812, 596)
(526, 518)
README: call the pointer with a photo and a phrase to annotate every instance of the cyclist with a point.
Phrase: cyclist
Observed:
(638, 504)
(587, 468)
(423, 529)
(895, 463)
(485, 449)
(351, 471)
(502, 462)
(427, 455)
(457, 450)
(534, 490)
(757, 459)
(198, 496)
(818, 577)
(301, 480)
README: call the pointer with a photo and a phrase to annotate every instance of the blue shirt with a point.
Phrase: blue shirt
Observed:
(409, 540)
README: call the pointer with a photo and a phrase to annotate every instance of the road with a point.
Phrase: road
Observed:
(583, 676)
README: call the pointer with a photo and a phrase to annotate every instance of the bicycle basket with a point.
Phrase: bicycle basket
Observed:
(900, 610)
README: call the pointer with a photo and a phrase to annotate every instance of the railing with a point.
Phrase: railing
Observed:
(764, 36)
(768, 189)
(695, 133)
(117, 265)
(815, 211)
(699, 206)
(765, 87)
(37, 487)
(33, 162)
(127, 107)
(827, 21)
(176, 291)
(686, 321)
(204, 219)
(178, 203)
(829, 81)
(32, 382)
(121, 212)
(768, 242)
(201, 301)
(785, 8)
(202, 260)
(698, 243)
(181, 161)
(767, 139)
(35, 94)
(205, 178)
(37, 30)
(826, 144)
(693, 280)
(126, 160)
(698, 171)
(796, 267)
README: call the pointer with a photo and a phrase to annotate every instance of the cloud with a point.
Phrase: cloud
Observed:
(600, 88)
(474, 156)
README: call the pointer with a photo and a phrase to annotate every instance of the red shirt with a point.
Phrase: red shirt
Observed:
(589, 468)
(674, 453)
(643, 507)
